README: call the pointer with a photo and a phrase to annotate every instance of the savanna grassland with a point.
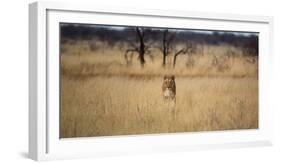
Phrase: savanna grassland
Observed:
(103, 95)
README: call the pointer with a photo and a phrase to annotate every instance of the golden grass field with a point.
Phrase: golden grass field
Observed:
(102, 96)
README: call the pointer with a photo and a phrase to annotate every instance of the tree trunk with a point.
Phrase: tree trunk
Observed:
(164, 48)
(164, 60)
(175, 57)
(141, 46)
(141, 54)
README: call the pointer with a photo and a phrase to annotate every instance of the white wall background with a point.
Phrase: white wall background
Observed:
(14, 81)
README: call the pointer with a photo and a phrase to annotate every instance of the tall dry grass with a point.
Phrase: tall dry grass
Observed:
(102, 96)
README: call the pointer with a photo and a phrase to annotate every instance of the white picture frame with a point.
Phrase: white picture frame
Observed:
(44, 141)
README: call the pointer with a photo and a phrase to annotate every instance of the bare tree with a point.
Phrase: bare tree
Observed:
(181, 51)
(140, 48)
(140, 34)
(166, 45)
(188, 49)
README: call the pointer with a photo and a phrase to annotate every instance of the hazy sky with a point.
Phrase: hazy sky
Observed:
(112, 27)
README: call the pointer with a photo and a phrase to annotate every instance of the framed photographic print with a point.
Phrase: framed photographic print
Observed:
(108, 81)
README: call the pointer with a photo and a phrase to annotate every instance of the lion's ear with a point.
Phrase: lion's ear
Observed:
(165, 77)
(173, 77)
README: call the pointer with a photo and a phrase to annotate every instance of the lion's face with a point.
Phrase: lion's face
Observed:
(169, 80)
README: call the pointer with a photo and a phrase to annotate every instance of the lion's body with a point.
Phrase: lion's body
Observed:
(169, 88)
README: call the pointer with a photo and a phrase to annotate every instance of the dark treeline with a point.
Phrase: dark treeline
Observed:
(141, 41)
(114, 34)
